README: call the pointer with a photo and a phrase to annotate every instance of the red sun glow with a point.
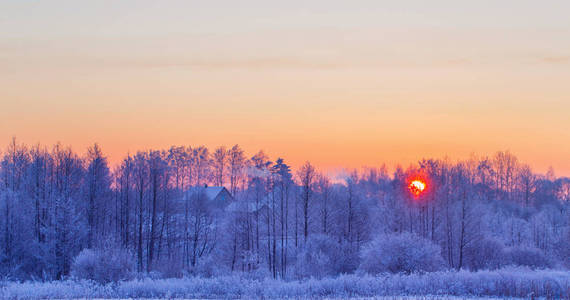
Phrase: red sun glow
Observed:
(417, 187)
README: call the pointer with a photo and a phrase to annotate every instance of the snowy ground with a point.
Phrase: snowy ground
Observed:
(359, 298)
(507, 283)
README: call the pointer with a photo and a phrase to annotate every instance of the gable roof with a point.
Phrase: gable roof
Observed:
(216, 196)
(211, 192)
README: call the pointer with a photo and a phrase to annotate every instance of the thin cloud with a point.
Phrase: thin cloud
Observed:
(281, 63)
(556, 59)
(252, 63)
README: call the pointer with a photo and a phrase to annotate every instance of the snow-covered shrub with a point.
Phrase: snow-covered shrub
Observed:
(563, 249)
(489, 254)
(397, 253)
(318, 257)
(349, 259)
(526, 256)
(169, 267)
(255, 274)
(207, 266)
(85, 263)
(103, 265)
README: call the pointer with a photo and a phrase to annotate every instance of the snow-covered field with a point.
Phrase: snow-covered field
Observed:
(370, 298)
(510, 283)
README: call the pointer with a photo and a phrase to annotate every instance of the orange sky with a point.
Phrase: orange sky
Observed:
(339, 84)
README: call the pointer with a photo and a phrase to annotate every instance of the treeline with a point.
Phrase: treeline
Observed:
(62, 214)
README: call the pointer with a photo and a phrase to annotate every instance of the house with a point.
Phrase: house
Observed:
(216, 196)
(249, 206)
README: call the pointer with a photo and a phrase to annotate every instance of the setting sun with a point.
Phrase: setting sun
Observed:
(417, 187)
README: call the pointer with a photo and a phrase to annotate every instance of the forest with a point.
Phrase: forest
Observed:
(65, 215)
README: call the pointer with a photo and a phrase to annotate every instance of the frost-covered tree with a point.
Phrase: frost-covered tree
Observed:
(98, 193)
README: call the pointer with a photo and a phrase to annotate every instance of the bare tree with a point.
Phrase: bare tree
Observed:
(527, 184)
(157, 171)
(141, 183)
(237, 163)
(200, 165)
(351, 183)
(219, 163)
(306, 176)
